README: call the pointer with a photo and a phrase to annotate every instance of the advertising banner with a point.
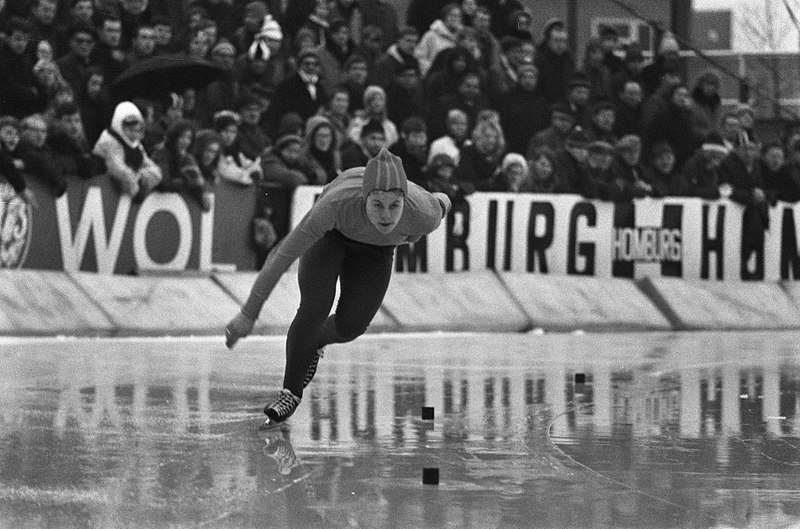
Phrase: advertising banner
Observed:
(686, 238)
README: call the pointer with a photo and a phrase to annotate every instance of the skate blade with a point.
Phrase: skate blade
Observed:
(270, 426)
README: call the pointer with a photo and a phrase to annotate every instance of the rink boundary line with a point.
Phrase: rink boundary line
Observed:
(10, 340)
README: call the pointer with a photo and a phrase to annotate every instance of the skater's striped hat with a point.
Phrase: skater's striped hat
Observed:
(384, 172)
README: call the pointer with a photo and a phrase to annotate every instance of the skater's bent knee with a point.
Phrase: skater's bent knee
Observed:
(348, 332)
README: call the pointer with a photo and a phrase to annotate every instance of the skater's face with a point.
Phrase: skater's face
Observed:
(384, 209)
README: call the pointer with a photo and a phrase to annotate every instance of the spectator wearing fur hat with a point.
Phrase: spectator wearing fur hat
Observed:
(413, 148)
(662, 172)
(373, 139)
(301, 91)
(441, 35)
(321, 149)
(374, 110)
(554, 60)
(514, 175)
(481, 161)
(524, 110)
(562, 121)
(120, 147)
(701, 170)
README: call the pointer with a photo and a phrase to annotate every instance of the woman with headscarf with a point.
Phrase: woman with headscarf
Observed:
(120, 146)
(322, 149)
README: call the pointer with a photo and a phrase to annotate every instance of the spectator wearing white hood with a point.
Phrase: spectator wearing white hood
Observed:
(120, 146)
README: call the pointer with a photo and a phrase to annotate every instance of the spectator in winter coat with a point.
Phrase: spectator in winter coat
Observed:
(514, 176)
(577, 97)
(253, 139)
(405, 96)
(321, 149)
(120, 146)
(440, 176)
(67, 140)
(455, 138)
(570, 167)
(179, 168)
(469, 99)
(334, 54)
(263, 62)
(373, 139)
(284, 165)
(627, 168)
(481, 162)
(18, 96)
(11, 165)
(554, 61)
(399, 55)
(441, 35)
(674, 124)
(740, 180)
(631, 71)
(701, 170)
(355, 82)
(301, 92)
(706, 103)
(542, 171)
(39, 160)
(628, 110)
(374, 110)
(562, 121)
(413, 148)
(662, 172)
(601, 127)
(451, 66)
(233, 164)
(598, 166)
(596, 70)
(781, 179)
(524, 111)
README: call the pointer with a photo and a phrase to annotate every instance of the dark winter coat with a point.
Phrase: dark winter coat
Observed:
(523, 114)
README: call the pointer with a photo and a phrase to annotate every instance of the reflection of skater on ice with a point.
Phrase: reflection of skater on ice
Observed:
(348, 236)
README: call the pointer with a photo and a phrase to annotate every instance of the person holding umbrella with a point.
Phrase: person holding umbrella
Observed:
(120, 146)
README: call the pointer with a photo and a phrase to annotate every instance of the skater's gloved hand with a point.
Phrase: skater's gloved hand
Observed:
(239, 327)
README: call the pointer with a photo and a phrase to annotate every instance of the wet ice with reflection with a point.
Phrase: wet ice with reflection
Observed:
(666, 430)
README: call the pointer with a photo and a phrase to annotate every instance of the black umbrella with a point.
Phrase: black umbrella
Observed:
(156, 77)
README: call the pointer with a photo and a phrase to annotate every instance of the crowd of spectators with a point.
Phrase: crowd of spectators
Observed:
(472, 96)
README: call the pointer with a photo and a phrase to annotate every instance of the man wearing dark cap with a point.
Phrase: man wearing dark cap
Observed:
(562, 120)
(578, 91)
(603, 119)
(348, 237)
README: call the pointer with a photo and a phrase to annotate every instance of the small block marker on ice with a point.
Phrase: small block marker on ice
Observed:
(580, 378)
(427, 413)
(430, 476)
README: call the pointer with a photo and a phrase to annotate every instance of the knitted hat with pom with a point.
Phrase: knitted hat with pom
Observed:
(384, 172)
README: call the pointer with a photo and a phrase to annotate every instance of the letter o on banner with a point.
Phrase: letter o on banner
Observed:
(171, 203)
